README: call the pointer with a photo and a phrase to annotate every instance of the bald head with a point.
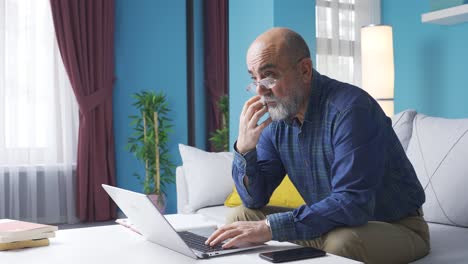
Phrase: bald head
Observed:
(281, 42)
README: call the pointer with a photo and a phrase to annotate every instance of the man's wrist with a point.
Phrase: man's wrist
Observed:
(242, 152)
(246, 152)
(267, 223)
(282, 226)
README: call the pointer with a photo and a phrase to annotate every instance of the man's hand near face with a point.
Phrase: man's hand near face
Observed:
(241, 233)
(249, 129)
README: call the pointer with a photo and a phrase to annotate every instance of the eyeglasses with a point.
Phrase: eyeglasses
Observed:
(267, 82)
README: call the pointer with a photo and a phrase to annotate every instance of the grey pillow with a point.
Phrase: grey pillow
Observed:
(438, 151)
(402, 123)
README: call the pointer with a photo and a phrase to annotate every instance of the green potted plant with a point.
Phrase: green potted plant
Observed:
(149, 143)
(220, 137)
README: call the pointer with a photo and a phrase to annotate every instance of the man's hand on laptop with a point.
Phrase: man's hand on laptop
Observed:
(240, 233)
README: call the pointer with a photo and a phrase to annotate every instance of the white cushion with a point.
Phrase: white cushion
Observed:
(402, 123)
(448, 245)
(438, 151)
(208, 177)
(182, 191)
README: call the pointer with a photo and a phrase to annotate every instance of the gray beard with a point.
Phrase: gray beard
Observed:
(286, 108)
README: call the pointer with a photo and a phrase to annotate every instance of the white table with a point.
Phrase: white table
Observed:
(116, 244)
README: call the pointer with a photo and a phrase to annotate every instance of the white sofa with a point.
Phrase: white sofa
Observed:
(438, 150)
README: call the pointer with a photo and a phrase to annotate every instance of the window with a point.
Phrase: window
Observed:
(338, 24)
(38, 117)
(38, 111)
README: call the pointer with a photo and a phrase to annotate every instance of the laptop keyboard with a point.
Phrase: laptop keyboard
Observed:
(197, 242)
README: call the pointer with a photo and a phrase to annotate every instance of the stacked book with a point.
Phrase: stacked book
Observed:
(16, 234)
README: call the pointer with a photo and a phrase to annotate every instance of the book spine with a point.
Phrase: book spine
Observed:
(24, 244)
(26, 237)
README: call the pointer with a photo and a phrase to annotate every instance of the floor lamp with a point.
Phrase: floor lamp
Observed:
(377, 64)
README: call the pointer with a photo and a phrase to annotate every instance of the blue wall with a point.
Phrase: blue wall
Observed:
(247, 20)
(298, 15)
(431, 61)
(150, 54)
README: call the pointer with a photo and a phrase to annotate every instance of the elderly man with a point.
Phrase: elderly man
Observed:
(363, 199)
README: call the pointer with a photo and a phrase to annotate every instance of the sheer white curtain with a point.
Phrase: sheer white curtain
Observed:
(338, 32)
(38, 118)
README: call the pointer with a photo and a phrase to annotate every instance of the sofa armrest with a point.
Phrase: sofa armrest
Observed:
(181, 190)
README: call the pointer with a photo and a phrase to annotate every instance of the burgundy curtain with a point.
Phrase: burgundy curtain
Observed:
(85, 35)
(216, 60)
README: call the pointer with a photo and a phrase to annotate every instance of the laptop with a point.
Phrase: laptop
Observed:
(154, 227)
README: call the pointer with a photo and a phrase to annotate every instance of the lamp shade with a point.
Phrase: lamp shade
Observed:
(377, 64)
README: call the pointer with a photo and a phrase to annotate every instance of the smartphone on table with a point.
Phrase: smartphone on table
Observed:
(292, 254)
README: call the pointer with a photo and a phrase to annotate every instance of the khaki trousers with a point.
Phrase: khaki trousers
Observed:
(402, 241)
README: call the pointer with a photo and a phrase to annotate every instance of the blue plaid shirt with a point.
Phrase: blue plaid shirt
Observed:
(344, 159)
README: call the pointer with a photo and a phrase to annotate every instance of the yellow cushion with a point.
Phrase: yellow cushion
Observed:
(285, 195)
